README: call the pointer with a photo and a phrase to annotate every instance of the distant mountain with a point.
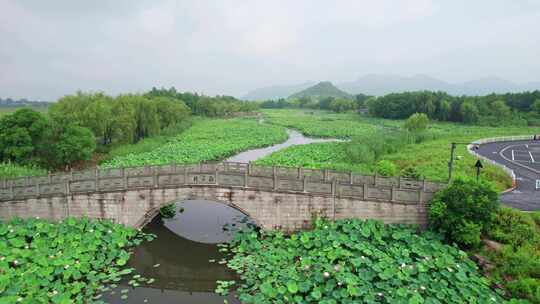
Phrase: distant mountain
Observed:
(8, 102)
(321, 90)
(376, 84)
(276, 92)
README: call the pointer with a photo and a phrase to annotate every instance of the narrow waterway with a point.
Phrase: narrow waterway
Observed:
(184, 258)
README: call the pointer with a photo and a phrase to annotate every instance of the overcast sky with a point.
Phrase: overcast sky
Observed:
(52, 48)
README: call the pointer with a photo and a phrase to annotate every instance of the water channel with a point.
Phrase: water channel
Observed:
(179, 258)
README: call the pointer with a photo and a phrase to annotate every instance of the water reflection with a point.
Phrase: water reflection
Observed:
(178, 259)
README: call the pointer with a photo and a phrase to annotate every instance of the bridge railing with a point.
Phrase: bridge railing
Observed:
(503, 138)
(224, 174)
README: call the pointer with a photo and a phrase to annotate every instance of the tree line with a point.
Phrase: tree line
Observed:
(328, 103)
(494, 109)
(76, 125)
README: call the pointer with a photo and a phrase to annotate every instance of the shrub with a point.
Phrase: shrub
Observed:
(386, 168)
(410, 172)
(526, 288)
(466, 202)
(514, 227)
(418, 122)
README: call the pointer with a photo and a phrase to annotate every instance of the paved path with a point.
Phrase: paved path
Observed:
(524, 158)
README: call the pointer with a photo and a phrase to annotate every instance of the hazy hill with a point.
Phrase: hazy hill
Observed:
(378, 84)
(321, 90)
(276, 92)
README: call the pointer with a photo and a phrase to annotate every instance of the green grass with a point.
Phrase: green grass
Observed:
(9, 170)
(206, 140)
(429, 157)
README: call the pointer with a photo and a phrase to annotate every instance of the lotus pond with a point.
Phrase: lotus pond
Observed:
(71, 261)
(353, 261)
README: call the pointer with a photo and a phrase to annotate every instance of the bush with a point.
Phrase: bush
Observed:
(526, 288)
(386, 168)
(410, 172)
(514, 227)
(457, 210)
(168, 211)
(418, 122)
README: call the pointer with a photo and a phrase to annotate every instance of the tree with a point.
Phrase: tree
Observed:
(342, 105)
(469, 112)
(500, 110)
(24, 136)
(170, 111)
(73, 144)
(418, 122)
(463, 210)
(443, 111)
(536, 106)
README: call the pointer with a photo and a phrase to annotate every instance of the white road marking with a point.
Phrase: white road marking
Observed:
(512, 154)
(532, 158)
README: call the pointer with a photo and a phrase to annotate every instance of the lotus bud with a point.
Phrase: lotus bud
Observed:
(422, 287)
(380, 294)
(306, 267)
(336, 267)
(326, 274)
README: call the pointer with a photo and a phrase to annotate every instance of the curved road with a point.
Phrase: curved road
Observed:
(524, 158)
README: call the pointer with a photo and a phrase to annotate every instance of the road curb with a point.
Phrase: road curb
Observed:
(507, 170)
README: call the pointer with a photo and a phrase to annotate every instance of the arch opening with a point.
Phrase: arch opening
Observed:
(205, 220)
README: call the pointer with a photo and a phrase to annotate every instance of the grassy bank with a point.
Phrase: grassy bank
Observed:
(9, 170)
(429, 157)
(206, 140)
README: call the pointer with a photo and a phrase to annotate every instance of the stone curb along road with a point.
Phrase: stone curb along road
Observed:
(523, 195)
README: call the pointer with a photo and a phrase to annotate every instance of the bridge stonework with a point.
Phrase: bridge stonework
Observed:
(274, 197)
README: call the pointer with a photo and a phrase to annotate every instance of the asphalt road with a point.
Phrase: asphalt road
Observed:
(524, 158)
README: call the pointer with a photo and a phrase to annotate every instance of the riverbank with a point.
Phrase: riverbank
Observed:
(429, 158)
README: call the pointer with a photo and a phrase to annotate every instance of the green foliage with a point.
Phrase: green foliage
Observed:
(469, 112)
(518, 263)
(463, 210)
(429, 156)
(10, 170)
(74, 144)
(386, 168)
(206, 140)
(486, 110)
(342, 105)
(411, 172)
(68, 262)
(168, 211)
(24, 137)
(418, 122)
(354, 261)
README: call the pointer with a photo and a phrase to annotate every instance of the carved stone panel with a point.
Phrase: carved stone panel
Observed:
(171, 179)
(380, 193)
(350, 190)
(201, 178)
(406, 196)
(140, 181)
(315, 187)
(54, 188)
(81, 186)
(111, 184)
(228, 179)
(261, 182)
(290, 184)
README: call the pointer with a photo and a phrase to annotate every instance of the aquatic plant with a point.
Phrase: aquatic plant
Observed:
(354, 261)
(71, 261)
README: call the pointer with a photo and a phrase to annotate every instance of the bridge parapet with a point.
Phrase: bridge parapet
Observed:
(223, 174)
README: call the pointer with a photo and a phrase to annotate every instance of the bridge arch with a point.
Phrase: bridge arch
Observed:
(154, 211)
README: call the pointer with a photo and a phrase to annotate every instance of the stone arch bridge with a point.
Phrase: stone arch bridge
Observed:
(274, 197)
